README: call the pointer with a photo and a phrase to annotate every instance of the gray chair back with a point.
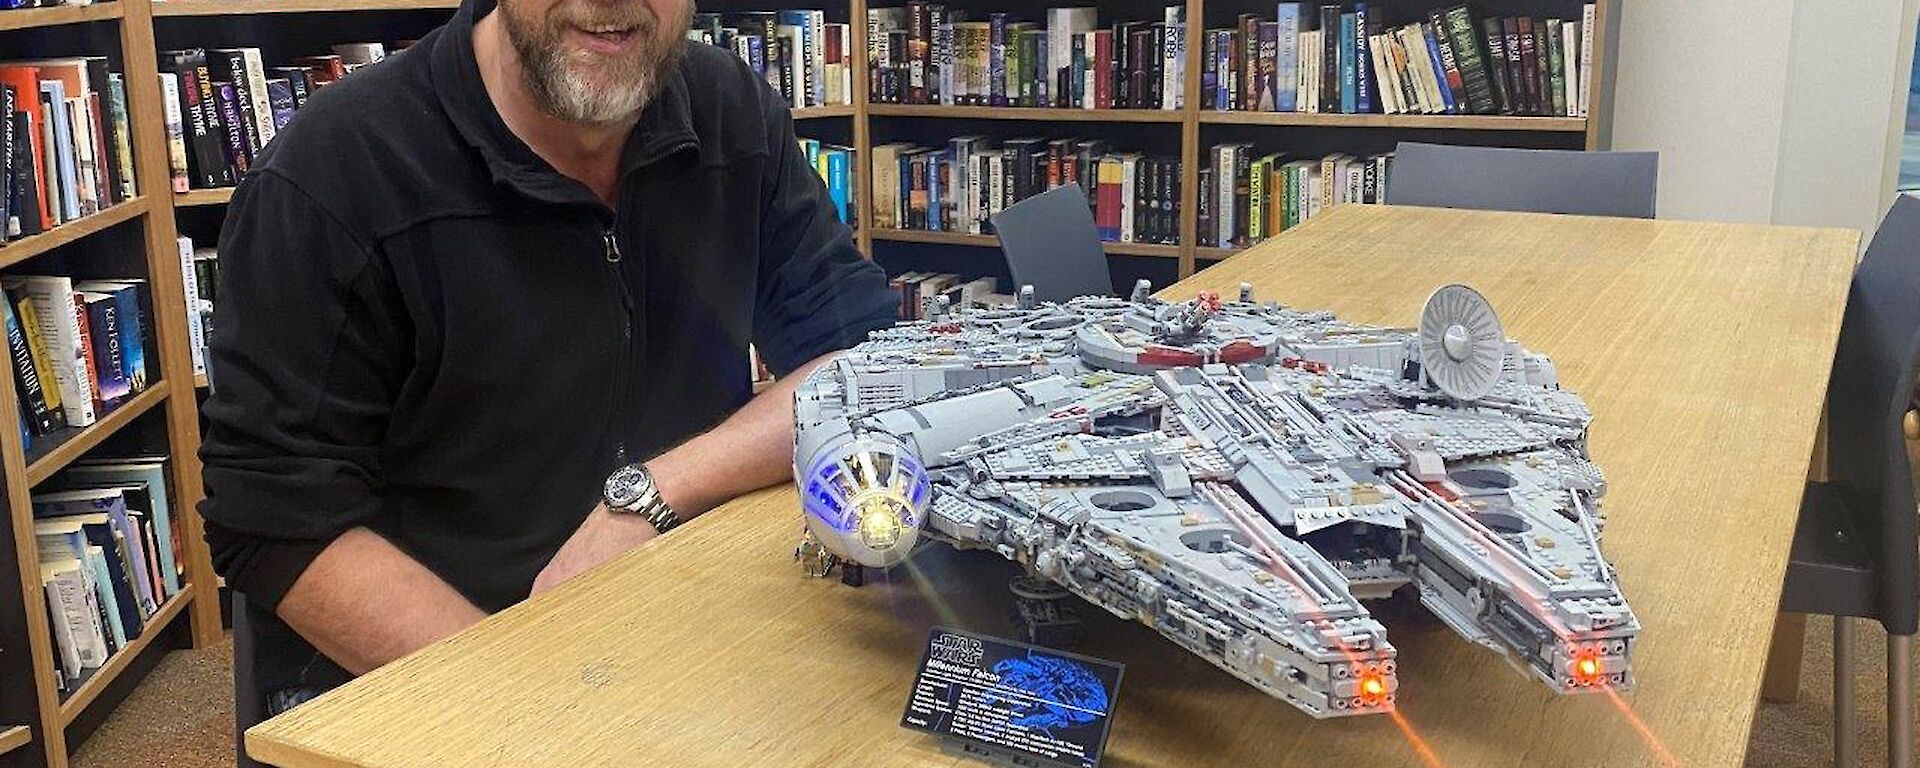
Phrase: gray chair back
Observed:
(1052, 244)
(249, 702)
(1869, 394)
(1620, 184)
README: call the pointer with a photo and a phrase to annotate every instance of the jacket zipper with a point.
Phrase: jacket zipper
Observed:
(613, 257)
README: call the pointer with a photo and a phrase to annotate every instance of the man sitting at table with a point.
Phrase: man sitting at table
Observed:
(471, 289)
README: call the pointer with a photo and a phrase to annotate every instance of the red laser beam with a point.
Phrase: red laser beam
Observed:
(1419, 744)
(1654, 744)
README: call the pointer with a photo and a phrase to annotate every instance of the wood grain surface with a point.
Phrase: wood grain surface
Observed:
(1703, 349)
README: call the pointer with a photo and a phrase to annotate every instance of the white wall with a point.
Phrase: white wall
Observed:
(1783, 111)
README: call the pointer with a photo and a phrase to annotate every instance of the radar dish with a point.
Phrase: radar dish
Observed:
(1462, 346)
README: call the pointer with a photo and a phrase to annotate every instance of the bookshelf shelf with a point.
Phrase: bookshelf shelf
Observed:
(76, 703)
(837, 110)
(1444, 122)
(200, 381)
(38, 18)
(989, 241)
(53, 453)
(1026, 113)
(1215, 254)
(16, 251)
(250, 7)
(201, 197)
(14, 738)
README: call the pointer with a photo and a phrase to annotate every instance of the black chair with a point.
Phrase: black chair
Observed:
(1620, 184)
(1856, 550)
(1052, 244)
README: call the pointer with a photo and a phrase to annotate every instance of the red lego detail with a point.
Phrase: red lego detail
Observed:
(1169, 357)
(1241, 351)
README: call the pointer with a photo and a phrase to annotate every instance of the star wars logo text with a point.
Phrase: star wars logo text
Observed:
(955, 649)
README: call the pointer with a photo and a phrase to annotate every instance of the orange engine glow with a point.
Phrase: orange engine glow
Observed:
(1586, 670)
(1373, 687)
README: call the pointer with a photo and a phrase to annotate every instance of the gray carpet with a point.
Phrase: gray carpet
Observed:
(182, 715)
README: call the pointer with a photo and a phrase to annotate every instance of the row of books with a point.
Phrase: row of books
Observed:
(1350, 62)
(222, 105)
(65, 148)
(78, 350)
(959, 188)
(110, 557)
(7, 5)
(199, 277)
(834, 163)
(919, 289)
(1246, 197)
(925, 54)
(809, 61)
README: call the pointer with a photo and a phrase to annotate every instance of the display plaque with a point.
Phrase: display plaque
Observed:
(1022, 703)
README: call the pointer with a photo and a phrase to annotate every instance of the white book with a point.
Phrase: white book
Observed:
(1173, 59)
(66, 646)
(257, 93)
(1422, 64)
(86, 165)
(59, 328)
(176, 133)
(818, 52)
(1587, 22)
(1388, 85)
(1570, 62)
(1311, 195)
(1129, 189)
(796, 63)
(190, 281)
(997, 193)
(1310, 70)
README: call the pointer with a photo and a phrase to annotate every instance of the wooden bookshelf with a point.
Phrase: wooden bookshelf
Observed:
(989, 241)
(97, 680)
(16, 251)
(59, 15)
(250, 7)
(200, 381)
(201, 197)
(53, 453)
(163, 419)
(14, 738)
(814, 113)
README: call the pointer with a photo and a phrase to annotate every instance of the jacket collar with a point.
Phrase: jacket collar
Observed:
(665, 127)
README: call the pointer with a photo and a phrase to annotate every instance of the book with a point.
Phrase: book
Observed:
(205, 136)
(227, 104)
(29, 320)
(109, 353)
(151, 472)
(176, 132)
(110, 506)
(190, 285)
(280, 101)
(1287, 57)
(133, 330)
(42, 417)
(228, 68)
(57, 316)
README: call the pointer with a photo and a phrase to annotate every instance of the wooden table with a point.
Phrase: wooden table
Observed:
(1703, 348)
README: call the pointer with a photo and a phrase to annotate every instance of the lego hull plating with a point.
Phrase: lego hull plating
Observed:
(1239, 477)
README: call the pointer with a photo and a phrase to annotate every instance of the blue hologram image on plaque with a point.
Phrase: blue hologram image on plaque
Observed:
(1034, 702)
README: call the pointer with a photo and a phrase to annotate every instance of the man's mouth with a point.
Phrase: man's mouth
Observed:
(606, 38)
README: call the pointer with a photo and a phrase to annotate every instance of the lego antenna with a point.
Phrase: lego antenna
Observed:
(1462, 346)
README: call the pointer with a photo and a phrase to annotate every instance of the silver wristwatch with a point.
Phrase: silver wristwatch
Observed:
(630, 491)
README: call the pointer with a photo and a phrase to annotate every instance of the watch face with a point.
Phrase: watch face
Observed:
(627, 486)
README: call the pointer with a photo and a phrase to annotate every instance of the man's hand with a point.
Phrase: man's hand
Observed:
(602, 537)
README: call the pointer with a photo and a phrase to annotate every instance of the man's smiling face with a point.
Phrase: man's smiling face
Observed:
(596, 61)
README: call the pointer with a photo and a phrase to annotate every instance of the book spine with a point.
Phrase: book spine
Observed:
(121, 131)
(1430, 39)
(1556, 69)
(1527, 101)
(1588, 19)
(1349, 68)
(1330, 58)
(1242, 192)
(26, 378)
(227, 102)
(256, 73)
(1365, 87)
(1498, 75)
(1266, 86)
(1204, 209)
(1287, 57)
(109, 357)
(1474, 79)
(1173, 60)
(9, 212)
(1257, 200)
(997, 60)
(190, 285)
(169, 93)
(209, 139)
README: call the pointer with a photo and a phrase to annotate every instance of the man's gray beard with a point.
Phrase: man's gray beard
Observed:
(577, 100)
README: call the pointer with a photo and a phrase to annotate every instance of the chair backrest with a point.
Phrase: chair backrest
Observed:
(1051, 244)
(1621, 184)
(1870, 391)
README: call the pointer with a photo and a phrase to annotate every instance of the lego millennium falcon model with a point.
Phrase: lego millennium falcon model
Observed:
(1238, 476)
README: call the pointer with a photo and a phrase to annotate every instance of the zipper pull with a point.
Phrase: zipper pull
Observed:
(613, 246)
